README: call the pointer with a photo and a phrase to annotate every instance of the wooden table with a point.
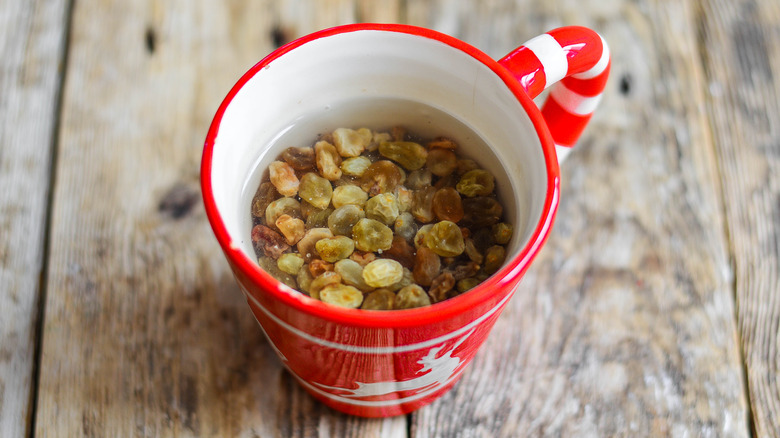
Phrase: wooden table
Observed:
(652, 311)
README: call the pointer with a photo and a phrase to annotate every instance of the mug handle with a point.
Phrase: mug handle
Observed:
(575, 59)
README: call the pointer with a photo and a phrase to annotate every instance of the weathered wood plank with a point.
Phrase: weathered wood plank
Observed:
(740, 41)
(145, 331)
(625, 324)
(33, 36)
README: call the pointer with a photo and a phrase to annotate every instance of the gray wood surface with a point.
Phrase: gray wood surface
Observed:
(652, 311)
(742, 63)
(32, 40)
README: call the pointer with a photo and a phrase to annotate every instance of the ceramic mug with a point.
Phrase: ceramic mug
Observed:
(373, 363)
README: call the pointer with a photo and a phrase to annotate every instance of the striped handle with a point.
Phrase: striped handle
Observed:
(577, 59)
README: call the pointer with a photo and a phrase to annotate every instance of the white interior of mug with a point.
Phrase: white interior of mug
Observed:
(429, 87)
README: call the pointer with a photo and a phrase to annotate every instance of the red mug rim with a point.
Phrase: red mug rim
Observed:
(507, 276)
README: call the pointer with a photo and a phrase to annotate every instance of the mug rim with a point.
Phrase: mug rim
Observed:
(508, 276)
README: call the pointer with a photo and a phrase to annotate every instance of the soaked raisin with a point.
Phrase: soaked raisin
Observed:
(281, 206)
(502, 232)
(265, 195)
(380, 299)
(445, 239)
(318, 218)
(405, 226)
(290, 263)
(328, 160)
(269, 266)
(306, 246)
(466, 284)
(363, 258)
(427, 266)
(410, 297)
(494, 258)
(422, 204)
(299, 158)
(315, 190)
(477, 182)
(355, 166)
(443, 143)
(352, 274)
(371, 235)
(383, 273)
(401, 252)
(408, 154)
(441, 162)
(341, 295)
(333, 249)
(466, 165)
(406, 280)
(383, 208)
(349, 142)
(269, 242)
(441, 287)
(283, 178)
(463, 270)
(318, 266)
(292, 228)
(404, 198)
(472, 252)
(381, 177)
(447, 205)
(304, 279)
(481, 212)
(344, 219)
(419, 179)
(327, 278)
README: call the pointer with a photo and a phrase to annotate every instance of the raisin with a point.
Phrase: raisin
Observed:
(481, 212)
(349, 195)
(352, 274)
(299, 158)
(447, 205)
(426, 266)
(265, 195)
(410, 155)
(283, 178)
(477, 182)
(328, 160)
(383, 273)
(443, 143)
(318, 218)
(441, 162)
(440, 287)
(355, 166)
(349, 142)
(380, 299)
(320, 282)
(344, 219)
(269, 266)
(494, 258)
(422, 204)
(315, 190)
(371, 235)
(466, 284)
(306, 246)
(383, 208)
(341, 295)
(282, 206)
(268, 242)
(445, 239)
(410, 297)
(333, 249)
(318, 266)
(292, 228)
(401, 252)
(290, 263)
(381, 177)
(405, 226)
(463, 270)
(502, 232)
(419, 179)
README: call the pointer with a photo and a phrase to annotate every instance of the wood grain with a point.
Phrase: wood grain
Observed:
(740, 44)
(624, 327)
(146, 332)
(33, 38)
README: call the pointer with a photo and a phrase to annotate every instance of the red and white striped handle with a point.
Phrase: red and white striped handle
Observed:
(575, 59)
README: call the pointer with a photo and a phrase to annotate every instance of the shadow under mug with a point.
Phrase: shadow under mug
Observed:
(373, 363)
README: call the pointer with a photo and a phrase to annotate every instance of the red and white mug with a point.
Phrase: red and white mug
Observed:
(372, 363)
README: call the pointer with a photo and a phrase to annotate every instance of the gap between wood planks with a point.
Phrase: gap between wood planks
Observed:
(703, 50)
(43, 278)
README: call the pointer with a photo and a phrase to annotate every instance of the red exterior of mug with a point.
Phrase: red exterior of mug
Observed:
(372, 363)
